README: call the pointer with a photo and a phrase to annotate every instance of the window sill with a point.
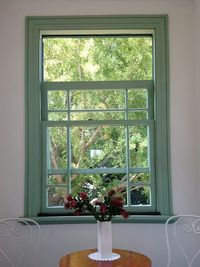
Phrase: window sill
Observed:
(90, 219)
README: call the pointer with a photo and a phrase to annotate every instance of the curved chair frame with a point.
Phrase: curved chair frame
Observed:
(14, 226)
(192, 225)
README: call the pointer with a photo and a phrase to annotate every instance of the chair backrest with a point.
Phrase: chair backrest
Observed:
(19, 242)
(183, 241)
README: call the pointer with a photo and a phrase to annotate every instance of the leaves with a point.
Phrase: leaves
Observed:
(97, 58)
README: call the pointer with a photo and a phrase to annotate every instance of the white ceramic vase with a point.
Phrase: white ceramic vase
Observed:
(104, 235)
(104, 245)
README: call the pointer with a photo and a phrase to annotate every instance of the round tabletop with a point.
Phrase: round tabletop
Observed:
(128, 258)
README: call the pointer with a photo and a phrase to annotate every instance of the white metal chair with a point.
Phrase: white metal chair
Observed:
(183, 241)
(19, 242)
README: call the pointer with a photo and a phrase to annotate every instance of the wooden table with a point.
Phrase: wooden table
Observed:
(127, 259)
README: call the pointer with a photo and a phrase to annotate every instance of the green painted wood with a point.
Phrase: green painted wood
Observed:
(98, 170)
(162, 120)
(158, 97)
(88, 219)
(33, 127)
(148, 84)
(97, 122)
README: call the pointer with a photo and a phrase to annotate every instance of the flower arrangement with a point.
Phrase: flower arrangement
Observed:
(102, 209)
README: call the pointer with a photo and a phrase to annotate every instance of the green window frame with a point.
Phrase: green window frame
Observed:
(37, 115)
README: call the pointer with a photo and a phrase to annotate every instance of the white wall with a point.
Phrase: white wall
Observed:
(184, 121)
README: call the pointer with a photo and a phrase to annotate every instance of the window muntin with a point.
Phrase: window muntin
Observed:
(99, 151)
(97, 104)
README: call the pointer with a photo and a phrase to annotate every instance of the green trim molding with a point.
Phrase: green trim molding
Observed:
(36, 119)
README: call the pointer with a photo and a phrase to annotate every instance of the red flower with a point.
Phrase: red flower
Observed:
(117, 202)
(77, 212)
(124, 213)
(103, 208)
(83, 195)
(111, 193)
(73, 203)
(69, 197)
(97, 203)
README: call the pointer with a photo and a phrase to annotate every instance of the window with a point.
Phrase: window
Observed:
(97, 99)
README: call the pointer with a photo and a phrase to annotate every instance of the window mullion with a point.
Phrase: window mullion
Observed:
(127, 151)
(68, 143)
(44, 103)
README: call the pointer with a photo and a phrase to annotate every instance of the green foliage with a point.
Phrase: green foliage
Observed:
(97, 58)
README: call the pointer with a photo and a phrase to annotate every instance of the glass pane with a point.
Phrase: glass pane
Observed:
(137, 115)
(137, 98)
(57, 116)
(97, 99)
(140, 195)
(139, 177)
(57, 179)
(56, 196)
(96, 185)
(98, 115)
(98, 147)
(97, 58)
(57, 100)
(57, 147)
(138, 146)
